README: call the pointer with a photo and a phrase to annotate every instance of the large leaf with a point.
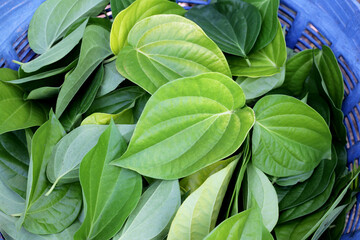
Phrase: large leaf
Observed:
(111, 193)
(112, 79)
(14, 162)
(197, 215)
(163, 48)
(64, 163)
(16, 113)
(265, 62)
(94, 49)
(268, 10)
(233, 25)
(139, 10)
(260, 188)
(201, 119)
(256, 87)
(289, 137)
(118, 5)
(10, 201)
(48, 215)
(7, 74)
(53, 18)
(56, 52)
(152, 216)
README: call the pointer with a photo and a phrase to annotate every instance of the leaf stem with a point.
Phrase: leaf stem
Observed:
(17, 62)
(248, 61)
(52, 187)
(110, 59)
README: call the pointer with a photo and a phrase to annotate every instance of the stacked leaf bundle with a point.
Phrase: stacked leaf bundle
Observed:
(231, 135)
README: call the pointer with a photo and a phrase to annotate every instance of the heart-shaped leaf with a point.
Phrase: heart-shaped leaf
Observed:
(163, 48)
(139, 10)
(111, 193)
(233, 25)
(201, 119)
(289, 137)
(197, 215)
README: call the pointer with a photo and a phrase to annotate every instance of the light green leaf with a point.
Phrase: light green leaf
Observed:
(111, 193)
(233, 25)
(43, 93)
(57, 51)
(16, 113)
(118, 5)
(53, 214)
(152, 216)
(266, 62)
(94, 49)
(139, 10)
(64, 163)
(163, 48)
(124, 117)
(256, 87)
(10, 201)
(260, 188)
(202, 119)
(112, 79)
(269, 26)
(197, 215)
(293, 180)
(53, 19)
(289, 137)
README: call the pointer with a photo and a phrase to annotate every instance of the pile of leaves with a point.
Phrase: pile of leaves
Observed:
(171, 124)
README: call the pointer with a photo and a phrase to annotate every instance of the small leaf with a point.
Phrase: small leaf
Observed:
(43, 93)
(201, 119)
(139, 10)
(110, 193)
(112, 79)
(289, 137)
(197, 215)
(124, 117)
(163, 48)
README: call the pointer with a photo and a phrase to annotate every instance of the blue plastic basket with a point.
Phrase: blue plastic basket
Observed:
(309, 24)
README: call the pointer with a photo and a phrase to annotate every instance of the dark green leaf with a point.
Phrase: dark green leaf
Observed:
(43, 93)
(112, 79)
(118, 5)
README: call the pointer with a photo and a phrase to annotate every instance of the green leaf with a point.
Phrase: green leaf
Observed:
(16, 113)
(309, 206)
(43, 93)
(94, 49)
(10, 201)
(53, 19)
(48, 215)
(139, 10)
(57, 51)
(260, 188)
(124, 117)
(269, 26)
(7, 224)
(289, 137)
(7, 74)
(14, 162)
(152, 216)
(64, 163)
(110, 193)
(265, 62)
(233, 25)
(112, 79)
(163, 48)
(292, 180)
(118, 5)
(256, 87)
(309, 189)
(201, 119)
(197, 215)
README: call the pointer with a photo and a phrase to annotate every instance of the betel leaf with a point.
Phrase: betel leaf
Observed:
(139, 10)
(269, 26)
(152, 216)
(64, 163)
(48, 215)
(112, 79)
(56, 52)
(233, 25)
(197, 215)
(7, 74)
(124, 117)
(256, 87)
(110, 193)
(10, 201)
(163, 48)
(53, 19)
(118, 5)
(202, 119)
(14, 161)
(265, 62)
(289, 137)
(309, 189)
(309, 206)
(292, 180)
(94, 49)
(260, 188)
(16, 113)
(42, 93)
